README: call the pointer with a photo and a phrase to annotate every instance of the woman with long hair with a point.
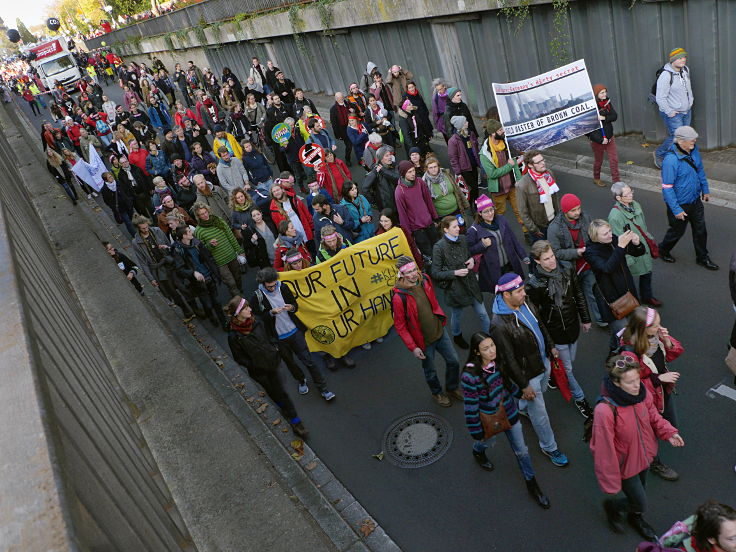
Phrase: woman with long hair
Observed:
(251, 346)
(359, 210)
(485, 392)
(291, 208)
(652, 346)
(288, 239)
(59, 170)
(390, 219)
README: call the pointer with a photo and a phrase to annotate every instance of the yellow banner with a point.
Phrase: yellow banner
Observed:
(346, 301)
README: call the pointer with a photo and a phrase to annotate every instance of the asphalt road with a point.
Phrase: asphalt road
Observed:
(453, 504)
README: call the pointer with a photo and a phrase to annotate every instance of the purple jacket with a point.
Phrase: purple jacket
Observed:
(458, 153)
(439, 103)
(414, 205)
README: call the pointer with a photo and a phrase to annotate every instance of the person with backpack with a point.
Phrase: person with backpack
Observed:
(652, 346)
(711, 529)
(673, 94)
(625, 430)
(486, 394)
(420, 321)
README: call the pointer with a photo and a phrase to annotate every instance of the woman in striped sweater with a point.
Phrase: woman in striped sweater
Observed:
(485, 390)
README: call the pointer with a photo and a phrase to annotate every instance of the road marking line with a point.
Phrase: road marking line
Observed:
(724, 390)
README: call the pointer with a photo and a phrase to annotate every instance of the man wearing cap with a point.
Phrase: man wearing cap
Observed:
(684, 185)
(502, 172)
(538, 197)
(568, 234)
(227, 140)
(525, 347)
(420, 321)
(674, 99)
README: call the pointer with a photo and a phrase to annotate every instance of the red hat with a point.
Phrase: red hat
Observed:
(569, 202)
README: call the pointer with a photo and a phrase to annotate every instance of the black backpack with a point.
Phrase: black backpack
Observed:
(653, 92)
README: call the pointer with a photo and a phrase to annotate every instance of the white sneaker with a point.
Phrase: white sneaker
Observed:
(328, 395)
(366, 346)
(379, 340)
(89, 196)
(94, 194)
(303, 388)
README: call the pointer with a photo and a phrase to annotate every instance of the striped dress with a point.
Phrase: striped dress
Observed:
(480, 397)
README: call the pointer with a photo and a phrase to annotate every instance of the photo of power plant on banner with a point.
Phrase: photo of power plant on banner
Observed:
(548, 109)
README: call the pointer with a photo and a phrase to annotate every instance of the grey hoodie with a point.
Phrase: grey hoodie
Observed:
(678, 96)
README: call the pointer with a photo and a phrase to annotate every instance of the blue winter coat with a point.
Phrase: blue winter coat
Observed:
(158, 165)
(156, 119)
(357, 210)
(681, 183)
(257, 167)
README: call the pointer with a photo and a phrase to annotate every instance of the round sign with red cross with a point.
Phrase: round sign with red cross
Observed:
(311, 155)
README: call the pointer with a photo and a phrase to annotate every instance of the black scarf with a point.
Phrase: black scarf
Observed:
(555, 283)
(621, 397)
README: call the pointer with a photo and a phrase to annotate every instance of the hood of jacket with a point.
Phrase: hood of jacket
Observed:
(370, 67)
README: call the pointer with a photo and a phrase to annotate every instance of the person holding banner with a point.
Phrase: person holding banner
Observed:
(452, 269)
(288, 240)
(420, 321)
(601, 140)
(539, 202)
(501, 170)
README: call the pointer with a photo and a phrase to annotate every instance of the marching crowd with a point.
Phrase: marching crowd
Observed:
(188, 170)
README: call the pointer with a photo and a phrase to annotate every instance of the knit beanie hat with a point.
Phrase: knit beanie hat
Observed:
(375, 138)
(451, 92)
(597, 89)
(509, 282)
(415, 149)
(492, 125)
(458, 121)
(404, 167)
(483, 203)
(677, 53)
(569, 202)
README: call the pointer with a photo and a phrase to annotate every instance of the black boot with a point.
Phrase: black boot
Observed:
(533, 487)
(613, 515)
(460, 341)
(584, 408)
(646, 531)
(483, 460)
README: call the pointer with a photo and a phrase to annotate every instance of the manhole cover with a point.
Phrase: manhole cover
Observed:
(417, 440)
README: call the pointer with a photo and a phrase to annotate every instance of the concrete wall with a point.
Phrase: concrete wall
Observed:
(75, 472)
(473, 45)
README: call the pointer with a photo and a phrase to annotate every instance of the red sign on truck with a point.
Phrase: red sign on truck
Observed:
(47, 49)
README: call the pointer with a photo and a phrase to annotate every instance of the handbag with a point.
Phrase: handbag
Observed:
(495, 423)
(559, 376)
(731, 360)
(622, 306)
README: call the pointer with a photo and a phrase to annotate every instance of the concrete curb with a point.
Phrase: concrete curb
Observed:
(340, 516)
(636, 176)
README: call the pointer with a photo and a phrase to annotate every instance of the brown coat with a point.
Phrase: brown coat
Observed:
(531, 210)
(398, 86)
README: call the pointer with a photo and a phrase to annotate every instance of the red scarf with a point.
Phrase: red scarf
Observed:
(549, 179)
(243, 328)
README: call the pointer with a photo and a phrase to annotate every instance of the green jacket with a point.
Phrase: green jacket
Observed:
(227, 247)
(617, 218)
(493, 173)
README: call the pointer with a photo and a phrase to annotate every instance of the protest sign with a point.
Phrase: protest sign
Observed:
(281, 133)
(311, 155)
(548, 109)
(91, 173)
(346, 301)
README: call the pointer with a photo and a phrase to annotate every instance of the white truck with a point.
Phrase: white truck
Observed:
(55, 62)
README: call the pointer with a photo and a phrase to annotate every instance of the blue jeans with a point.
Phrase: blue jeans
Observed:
(452, 366)
(537, 410)
(672, 124)
(567, 356)
(587, 279)
(456, 314)
(516, 440)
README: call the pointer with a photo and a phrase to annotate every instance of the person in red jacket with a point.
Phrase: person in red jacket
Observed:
(332, 173)
(285, 205)
(626, 426)
(651, 345)
(72, 131)
(137, 156)
(420, 322)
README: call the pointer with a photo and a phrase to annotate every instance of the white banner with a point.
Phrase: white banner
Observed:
(548, 109)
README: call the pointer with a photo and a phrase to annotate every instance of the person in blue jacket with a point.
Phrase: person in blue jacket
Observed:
(159, 116)
(359, 210)
(685, 187)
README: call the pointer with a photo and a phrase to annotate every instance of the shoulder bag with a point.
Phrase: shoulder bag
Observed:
(495, 423)
(653, 246)
(622, 307)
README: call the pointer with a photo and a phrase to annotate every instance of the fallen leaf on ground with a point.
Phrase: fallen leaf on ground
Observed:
(250, 399)
(285, 429)
(261, 409)
(367, 527)
(240, 385)
(296, 456)
(261, 393)
(276, 422)
(629, 162)
(645, 145)
(337, 501)
(378, 456)
(311, 465)
(298, 445)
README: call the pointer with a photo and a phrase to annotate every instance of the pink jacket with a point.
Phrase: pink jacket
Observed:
(626, 446)
(656, 388)
(458, 152)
